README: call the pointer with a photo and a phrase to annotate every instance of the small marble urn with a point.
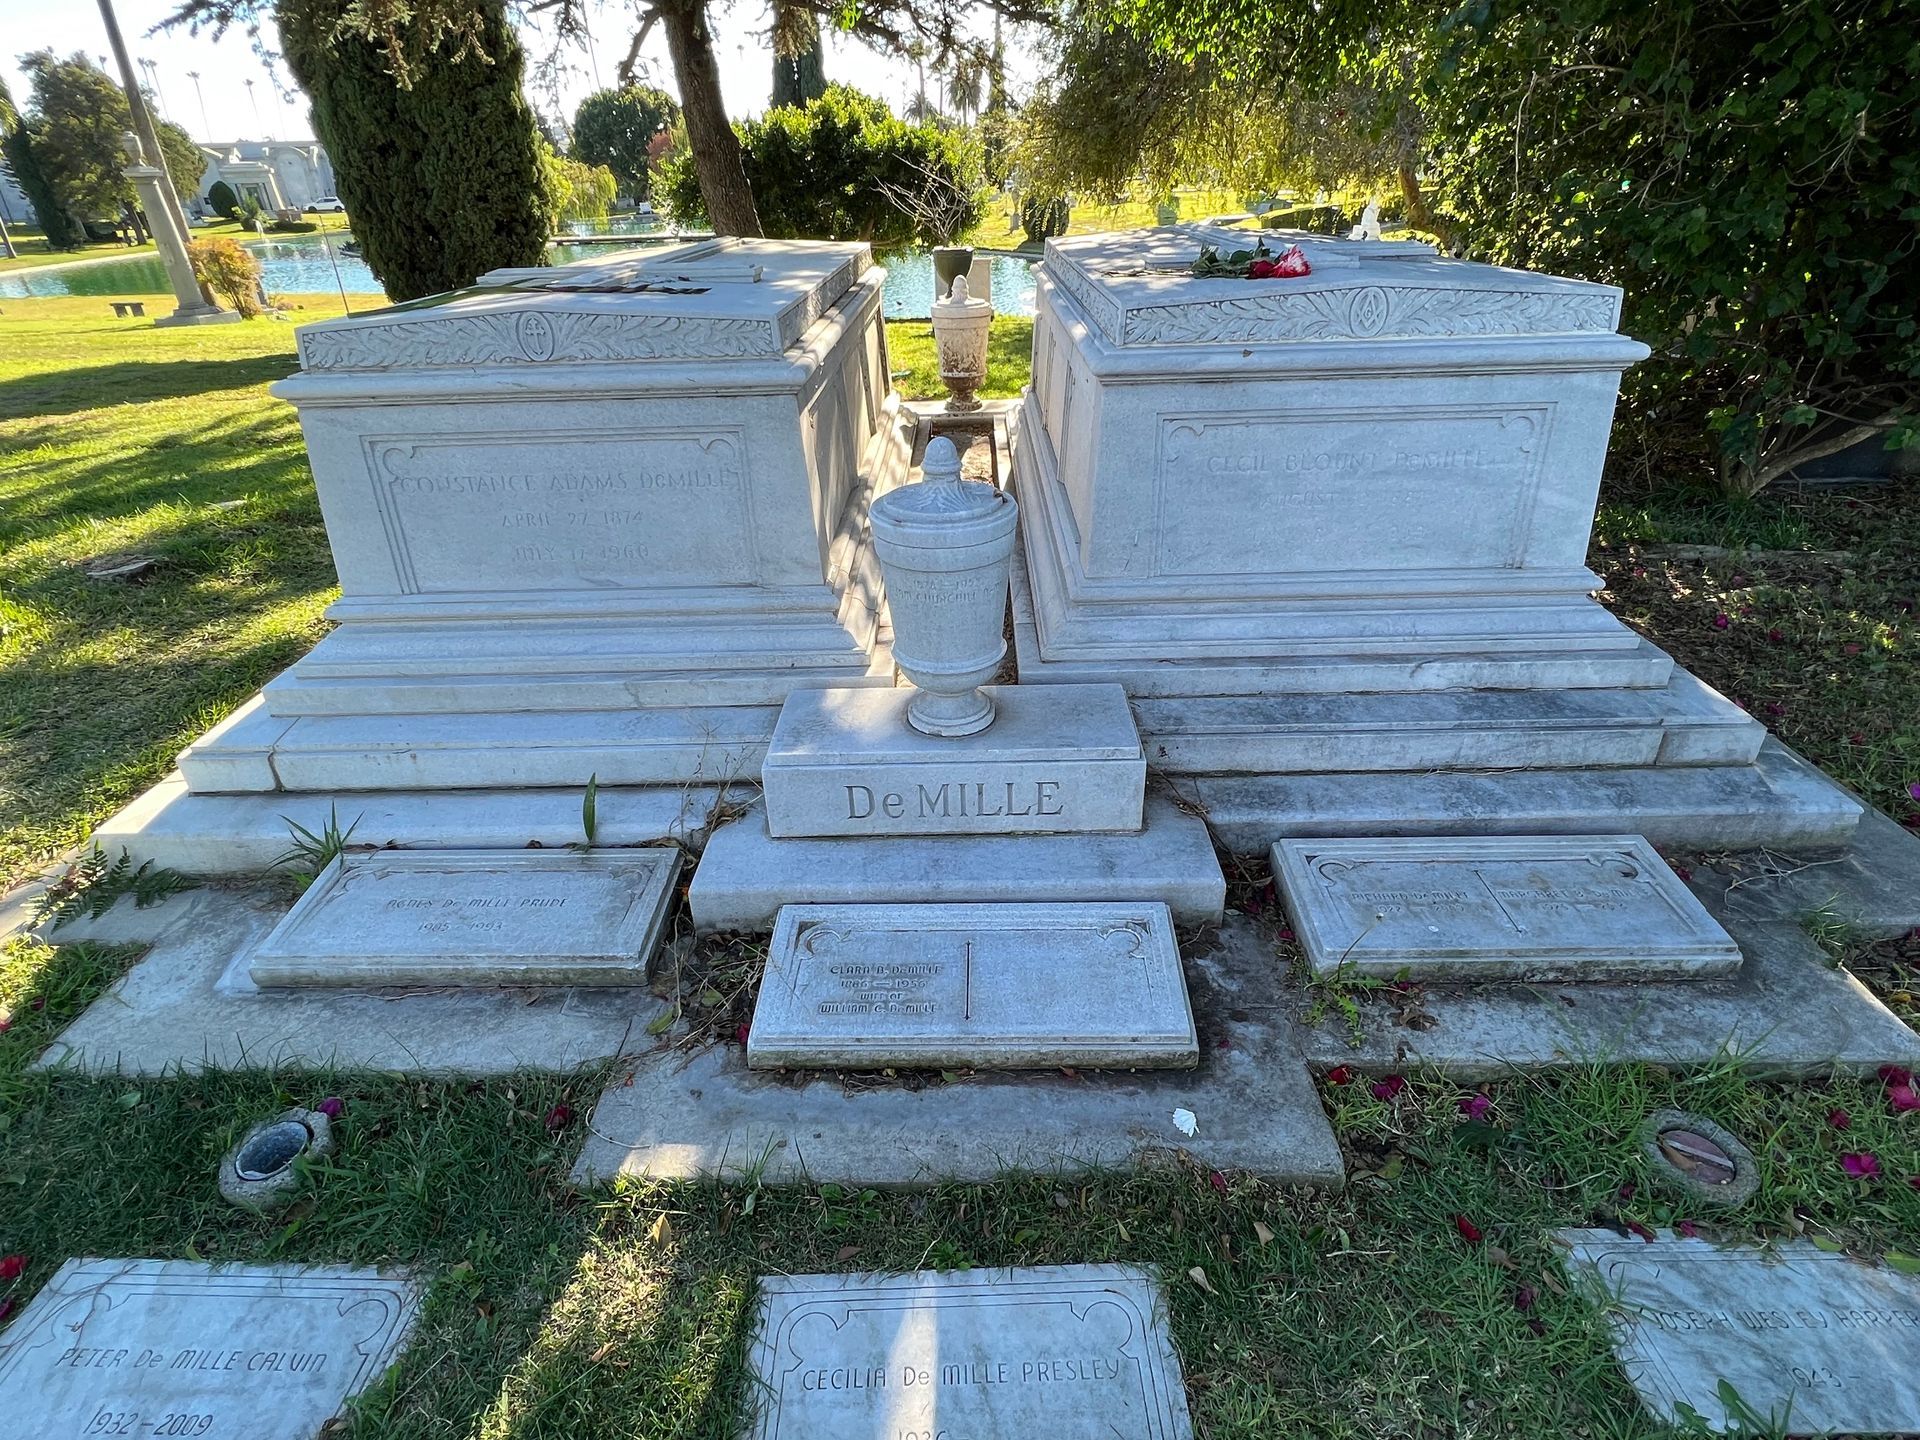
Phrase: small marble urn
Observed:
(960, 327)
(945, 545)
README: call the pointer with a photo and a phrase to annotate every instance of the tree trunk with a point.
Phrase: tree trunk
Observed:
(716, 149)
(1418, 215)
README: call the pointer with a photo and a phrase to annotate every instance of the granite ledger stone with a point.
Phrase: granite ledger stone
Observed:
(159, 1348)
(1072, 1352)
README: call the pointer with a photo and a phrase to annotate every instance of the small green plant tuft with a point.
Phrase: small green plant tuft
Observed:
(308, 853)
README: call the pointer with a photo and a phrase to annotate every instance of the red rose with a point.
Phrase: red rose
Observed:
(1260, 270)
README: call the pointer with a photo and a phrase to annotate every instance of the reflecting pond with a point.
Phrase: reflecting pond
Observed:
(316, 265)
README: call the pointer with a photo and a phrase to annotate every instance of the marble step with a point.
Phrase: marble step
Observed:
(1683, 723)
(236, 834)
(253, 750)
(299, 693)
(746, 875)
(1779, 802)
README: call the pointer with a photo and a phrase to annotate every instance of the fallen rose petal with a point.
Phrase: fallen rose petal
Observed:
(1641, 1230)
(1895, 1075)
(1388, 1088)
(1774, 707)
(1286, 932)
(11, 1266)
(6, 1309)
(1858, 737)
(1850, 648)
(1340, 1075)
(1913, 790)
(1475, 1106)
(331, 1107)
(1902, 1098)
(740, 1034)
(1686, 1229)
(1914, 1181)
(1776, 636)
(1469, 1231)
(1218, 1181)
(1626, 1191)
(1861, 1165)
(1839, 1119)
(1525, 1297)
(558, 1117)
(1722, 621)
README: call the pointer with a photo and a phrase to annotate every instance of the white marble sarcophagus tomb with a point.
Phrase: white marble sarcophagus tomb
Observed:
(593, 519)
(1380, 476)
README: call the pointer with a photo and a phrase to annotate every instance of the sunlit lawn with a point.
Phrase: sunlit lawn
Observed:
(35, 252)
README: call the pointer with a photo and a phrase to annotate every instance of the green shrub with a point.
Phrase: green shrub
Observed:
(228, 269)
(1044, 216)
(222, 200)
(293, 227)
(1744, 170)
(844, 167)
(441, 175)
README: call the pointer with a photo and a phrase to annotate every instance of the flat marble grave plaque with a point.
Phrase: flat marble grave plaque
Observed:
(1572, 907)
(474, 917)
(161, 1348)
(1065, 1352)
(1811, 1342)
(991, 986)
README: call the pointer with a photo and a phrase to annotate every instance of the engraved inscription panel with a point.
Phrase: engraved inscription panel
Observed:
(1073, 1352)
(566, 510)
(1813, 1341)
(1572, 906)
(1442, 487)
(988, 985)
(150, 1348)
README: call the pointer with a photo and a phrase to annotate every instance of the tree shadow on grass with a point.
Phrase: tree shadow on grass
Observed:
(131, 382)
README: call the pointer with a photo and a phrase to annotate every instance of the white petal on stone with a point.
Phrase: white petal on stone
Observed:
(1186, 1122)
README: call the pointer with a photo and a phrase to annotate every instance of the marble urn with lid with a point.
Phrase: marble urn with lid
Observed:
(962, 323)
(945, 545)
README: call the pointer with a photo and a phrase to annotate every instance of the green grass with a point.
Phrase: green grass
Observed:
(916, 364)
(121, 440)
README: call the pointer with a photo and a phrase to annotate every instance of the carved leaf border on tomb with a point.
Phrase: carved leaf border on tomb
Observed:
(536, 336)
(1371, 312)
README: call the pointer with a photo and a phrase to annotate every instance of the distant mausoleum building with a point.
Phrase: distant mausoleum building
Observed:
(279, 173)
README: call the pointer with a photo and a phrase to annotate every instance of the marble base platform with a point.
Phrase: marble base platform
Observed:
(1780, 802)
(746, 875)
(233, 834)
(1057, 758)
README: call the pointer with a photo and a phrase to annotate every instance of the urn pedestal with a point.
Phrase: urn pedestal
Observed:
(944, 545)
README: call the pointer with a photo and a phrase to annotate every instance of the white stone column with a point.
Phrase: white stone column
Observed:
(149, 182)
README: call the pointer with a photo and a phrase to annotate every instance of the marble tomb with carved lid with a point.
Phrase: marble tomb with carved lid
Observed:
(592, 519)
(1337, 524)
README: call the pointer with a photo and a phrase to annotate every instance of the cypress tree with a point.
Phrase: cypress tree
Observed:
(441, 175)
(23, 164)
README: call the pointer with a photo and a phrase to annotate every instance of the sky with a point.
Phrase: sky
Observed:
(220, 106)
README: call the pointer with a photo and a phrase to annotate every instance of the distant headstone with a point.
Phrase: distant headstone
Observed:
(1803, 1340)
(989, 986)
(1541, 907)
(1068, 1352)
(165, 1348)
(474, 917)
